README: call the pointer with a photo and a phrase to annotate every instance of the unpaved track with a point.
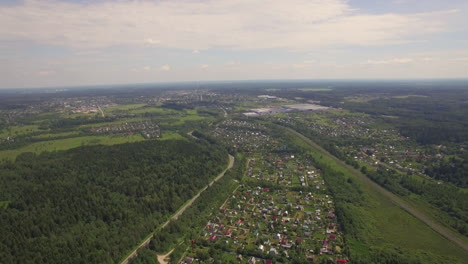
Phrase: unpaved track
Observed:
(102, 112)
(439, 229)
(162, 258)
(179, 212)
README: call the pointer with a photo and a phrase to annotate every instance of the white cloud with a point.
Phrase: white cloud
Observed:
(46, 73)
(303, 64)
(147, 68)
(165, 67)
(195, 51)
(152, 41)
(390, 61)
(204, 66)
(232, 63)
(197, 25)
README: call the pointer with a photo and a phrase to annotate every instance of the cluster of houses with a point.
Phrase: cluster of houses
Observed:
(285, 170)
(245, 136)
(147, 129)
(276, 222)
(382, 144)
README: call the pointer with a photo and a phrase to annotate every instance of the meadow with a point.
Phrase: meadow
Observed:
(69, 143)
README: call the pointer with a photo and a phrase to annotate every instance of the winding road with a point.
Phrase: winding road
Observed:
(436, 227)
(178, 213)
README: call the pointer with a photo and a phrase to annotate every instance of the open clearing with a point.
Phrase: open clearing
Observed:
(69, 143)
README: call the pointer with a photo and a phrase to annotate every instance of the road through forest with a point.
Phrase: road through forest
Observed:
(179, 212)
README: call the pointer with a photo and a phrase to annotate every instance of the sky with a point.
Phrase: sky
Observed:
(47, 43)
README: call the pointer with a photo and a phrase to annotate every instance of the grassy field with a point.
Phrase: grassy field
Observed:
(159, 110)
(56, 135)
(117, 122)
(168, 135)
(14, 131)
(68, 143)
(387, 223)
(126, 107)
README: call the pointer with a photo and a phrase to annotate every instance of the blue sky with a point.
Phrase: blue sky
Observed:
(82, 42)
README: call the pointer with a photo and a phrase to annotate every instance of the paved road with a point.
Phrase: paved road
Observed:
(439, 229)
(179, 212)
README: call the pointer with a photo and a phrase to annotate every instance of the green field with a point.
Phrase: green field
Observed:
(68, 143)
(126, 107)
(117, 122)
(386, 223)
(15, 131)
(167, 135)
(56, 135)
(159, 110)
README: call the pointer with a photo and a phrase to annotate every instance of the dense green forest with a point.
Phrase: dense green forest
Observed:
(452, 170)
(91, 204)
(179, 233)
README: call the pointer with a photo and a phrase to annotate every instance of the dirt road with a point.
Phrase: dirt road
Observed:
(102, 112)
(179, 212)
(439, 229)
(162, 259)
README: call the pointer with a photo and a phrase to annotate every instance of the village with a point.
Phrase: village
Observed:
(365, 140)
(281, 213)
(147, 129)
(243, 135)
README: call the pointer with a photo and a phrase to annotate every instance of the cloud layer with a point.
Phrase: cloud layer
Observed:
(205, 24)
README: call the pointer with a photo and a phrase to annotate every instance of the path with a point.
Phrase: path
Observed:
(162, 258)
(102, 112)
(191, 134)
(178, 213)
(439, 229)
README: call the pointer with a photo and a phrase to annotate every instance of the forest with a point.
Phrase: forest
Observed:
(91, 204)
